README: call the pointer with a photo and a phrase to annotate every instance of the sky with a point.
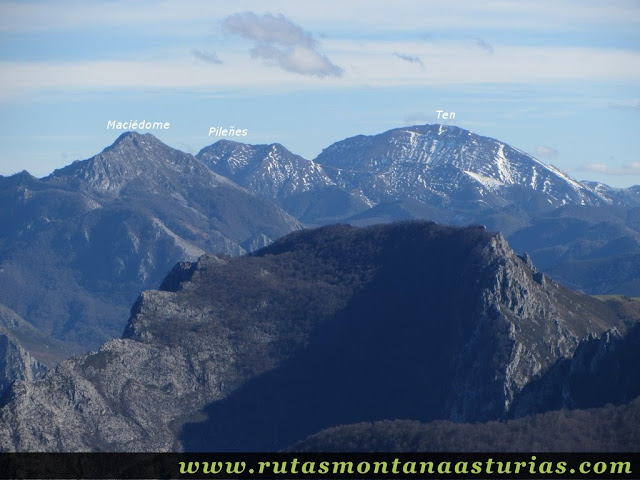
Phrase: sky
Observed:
(558, 80)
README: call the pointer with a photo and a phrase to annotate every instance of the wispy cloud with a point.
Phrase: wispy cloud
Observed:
(626, 106)
(484, 45)
(209, 57)
(409, 58)
(449, 64)
(281, 42)
(544, 151)
(632, 168)
(419, 118)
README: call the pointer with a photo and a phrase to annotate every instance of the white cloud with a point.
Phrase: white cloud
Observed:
(544, 151)
(276, 40)
(632, 168)
(281, 42)
(375, 65)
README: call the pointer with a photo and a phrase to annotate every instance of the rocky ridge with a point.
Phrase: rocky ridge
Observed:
(269, 170)
(25, 353)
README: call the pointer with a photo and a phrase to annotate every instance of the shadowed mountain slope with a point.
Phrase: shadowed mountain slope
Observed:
(606, 429)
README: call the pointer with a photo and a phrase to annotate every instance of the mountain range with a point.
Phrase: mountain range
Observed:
(441, 166)
(78, 246)
(324, 327)
(584, 234)
(233, 339)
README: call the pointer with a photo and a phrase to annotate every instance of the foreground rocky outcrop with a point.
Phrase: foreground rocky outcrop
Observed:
(324, 327)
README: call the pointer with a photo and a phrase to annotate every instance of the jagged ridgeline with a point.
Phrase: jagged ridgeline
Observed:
(585, 235)
(78, 247)
(324, 327)
(440, 172)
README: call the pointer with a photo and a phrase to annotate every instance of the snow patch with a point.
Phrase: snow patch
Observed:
(504, 170)
(488, 182)
(413, 140)
(534, 177)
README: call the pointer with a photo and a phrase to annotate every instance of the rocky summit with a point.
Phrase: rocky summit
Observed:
(270, 170)
(451, 166)
(324, 327)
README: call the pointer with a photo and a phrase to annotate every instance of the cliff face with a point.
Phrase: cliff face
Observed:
(524, 323)
(601, 371)
(591, 402)
(16, 364)
(25, 353)
(324, 327)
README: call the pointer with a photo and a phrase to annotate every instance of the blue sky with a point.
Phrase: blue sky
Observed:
(559, 80)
